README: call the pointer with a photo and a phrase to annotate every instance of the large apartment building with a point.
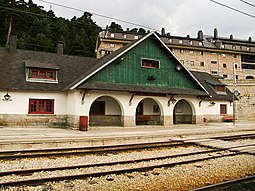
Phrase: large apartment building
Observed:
(220, 56)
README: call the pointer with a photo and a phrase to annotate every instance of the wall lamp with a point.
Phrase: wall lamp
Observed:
(172, 99)
(178, 68)
(7, 97)
(212, 103)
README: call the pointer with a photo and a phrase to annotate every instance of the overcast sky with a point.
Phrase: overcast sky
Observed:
(179, 17)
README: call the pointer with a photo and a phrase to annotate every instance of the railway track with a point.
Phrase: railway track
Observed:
(228, 184)
(142, 164)
(4, 155)
(16, 154)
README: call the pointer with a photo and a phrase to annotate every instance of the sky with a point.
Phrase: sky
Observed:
(178, 17)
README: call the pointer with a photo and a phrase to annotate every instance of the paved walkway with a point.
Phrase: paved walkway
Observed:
(25, 133)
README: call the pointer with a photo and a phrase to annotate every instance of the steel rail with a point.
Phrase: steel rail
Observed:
(30, 171)
(85, 150)
(118, 171)
(226, 184)
(227, 137)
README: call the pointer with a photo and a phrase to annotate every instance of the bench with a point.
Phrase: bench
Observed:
(143, 119)
(228, 118)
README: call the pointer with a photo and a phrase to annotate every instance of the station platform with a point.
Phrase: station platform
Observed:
(20, 138)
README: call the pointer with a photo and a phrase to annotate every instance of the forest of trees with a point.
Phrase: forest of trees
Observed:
(40, 30)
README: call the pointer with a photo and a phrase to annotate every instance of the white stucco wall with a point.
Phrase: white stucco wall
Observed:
(73, 105)
(19, 101)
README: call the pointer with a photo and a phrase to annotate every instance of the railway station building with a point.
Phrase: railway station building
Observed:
(226, 58)
(141, 83)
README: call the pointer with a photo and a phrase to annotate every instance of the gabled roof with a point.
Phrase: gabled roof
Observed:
(36, 64)
(106, 60)
(12, 72)
(207, 80)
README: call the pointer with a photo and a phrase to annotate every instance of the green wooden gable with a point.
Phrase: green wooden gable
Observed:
(128, 68)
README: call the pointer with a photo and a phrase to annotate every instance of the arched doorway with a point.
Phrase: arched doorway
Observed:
(183, 113)
(148, 113)
(105, 111)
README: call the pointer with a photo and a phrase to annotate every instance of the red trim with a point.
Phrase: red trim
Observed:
(38, 73)
(150, 63)
(223, 109)
(220, 88)
(41, 106)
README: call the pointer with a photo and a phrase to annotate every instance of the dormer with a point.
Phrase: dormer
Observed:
(218, 87)
(41, 72)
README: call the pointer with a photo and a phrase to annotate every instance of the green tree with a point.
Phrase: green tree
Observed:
(37, 29)
(115, 26)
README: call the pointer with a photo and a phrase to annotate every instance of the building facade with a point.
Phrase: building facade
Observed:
(218, 56)
(142, 83)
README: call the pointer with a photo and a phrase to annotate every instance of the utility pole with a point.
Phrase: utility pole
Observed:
(233, 93)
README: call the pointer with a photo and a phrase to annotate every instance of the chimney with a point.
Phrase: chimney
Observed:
(231, 37)
(250, 39)
(163, 32)
(200, 35)
(215, 32)
(60, 47)
(13, 44)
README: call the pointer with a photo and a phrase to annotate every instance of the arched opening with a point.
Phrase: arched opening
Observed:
(105, 111)
(183, 113)
(148, 113)
(249, 77)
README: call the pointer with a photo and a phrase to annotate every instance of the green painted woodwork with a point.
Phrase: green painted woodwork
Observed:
(130, 71)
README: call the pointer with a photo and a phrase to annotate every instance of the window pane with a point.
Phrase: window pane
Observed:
(150, 63)
(220, 88)
(223, 109)
(41, 106)
(49, 106)
(32, 106)
(42, 74)
(50, 75)
(34, 74)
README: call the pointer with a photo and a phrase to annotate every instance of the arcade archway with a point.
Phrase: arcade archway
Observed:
(183, 113)
(105, 111)
(148, 113)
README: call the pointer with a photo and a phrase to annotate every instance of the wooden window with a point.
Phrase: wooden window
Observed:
(224, 65)
(220, 88)
(42, 74)
(202, 64)
(41, 106)
(147, 63)
(97, 108)
(223, 109)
